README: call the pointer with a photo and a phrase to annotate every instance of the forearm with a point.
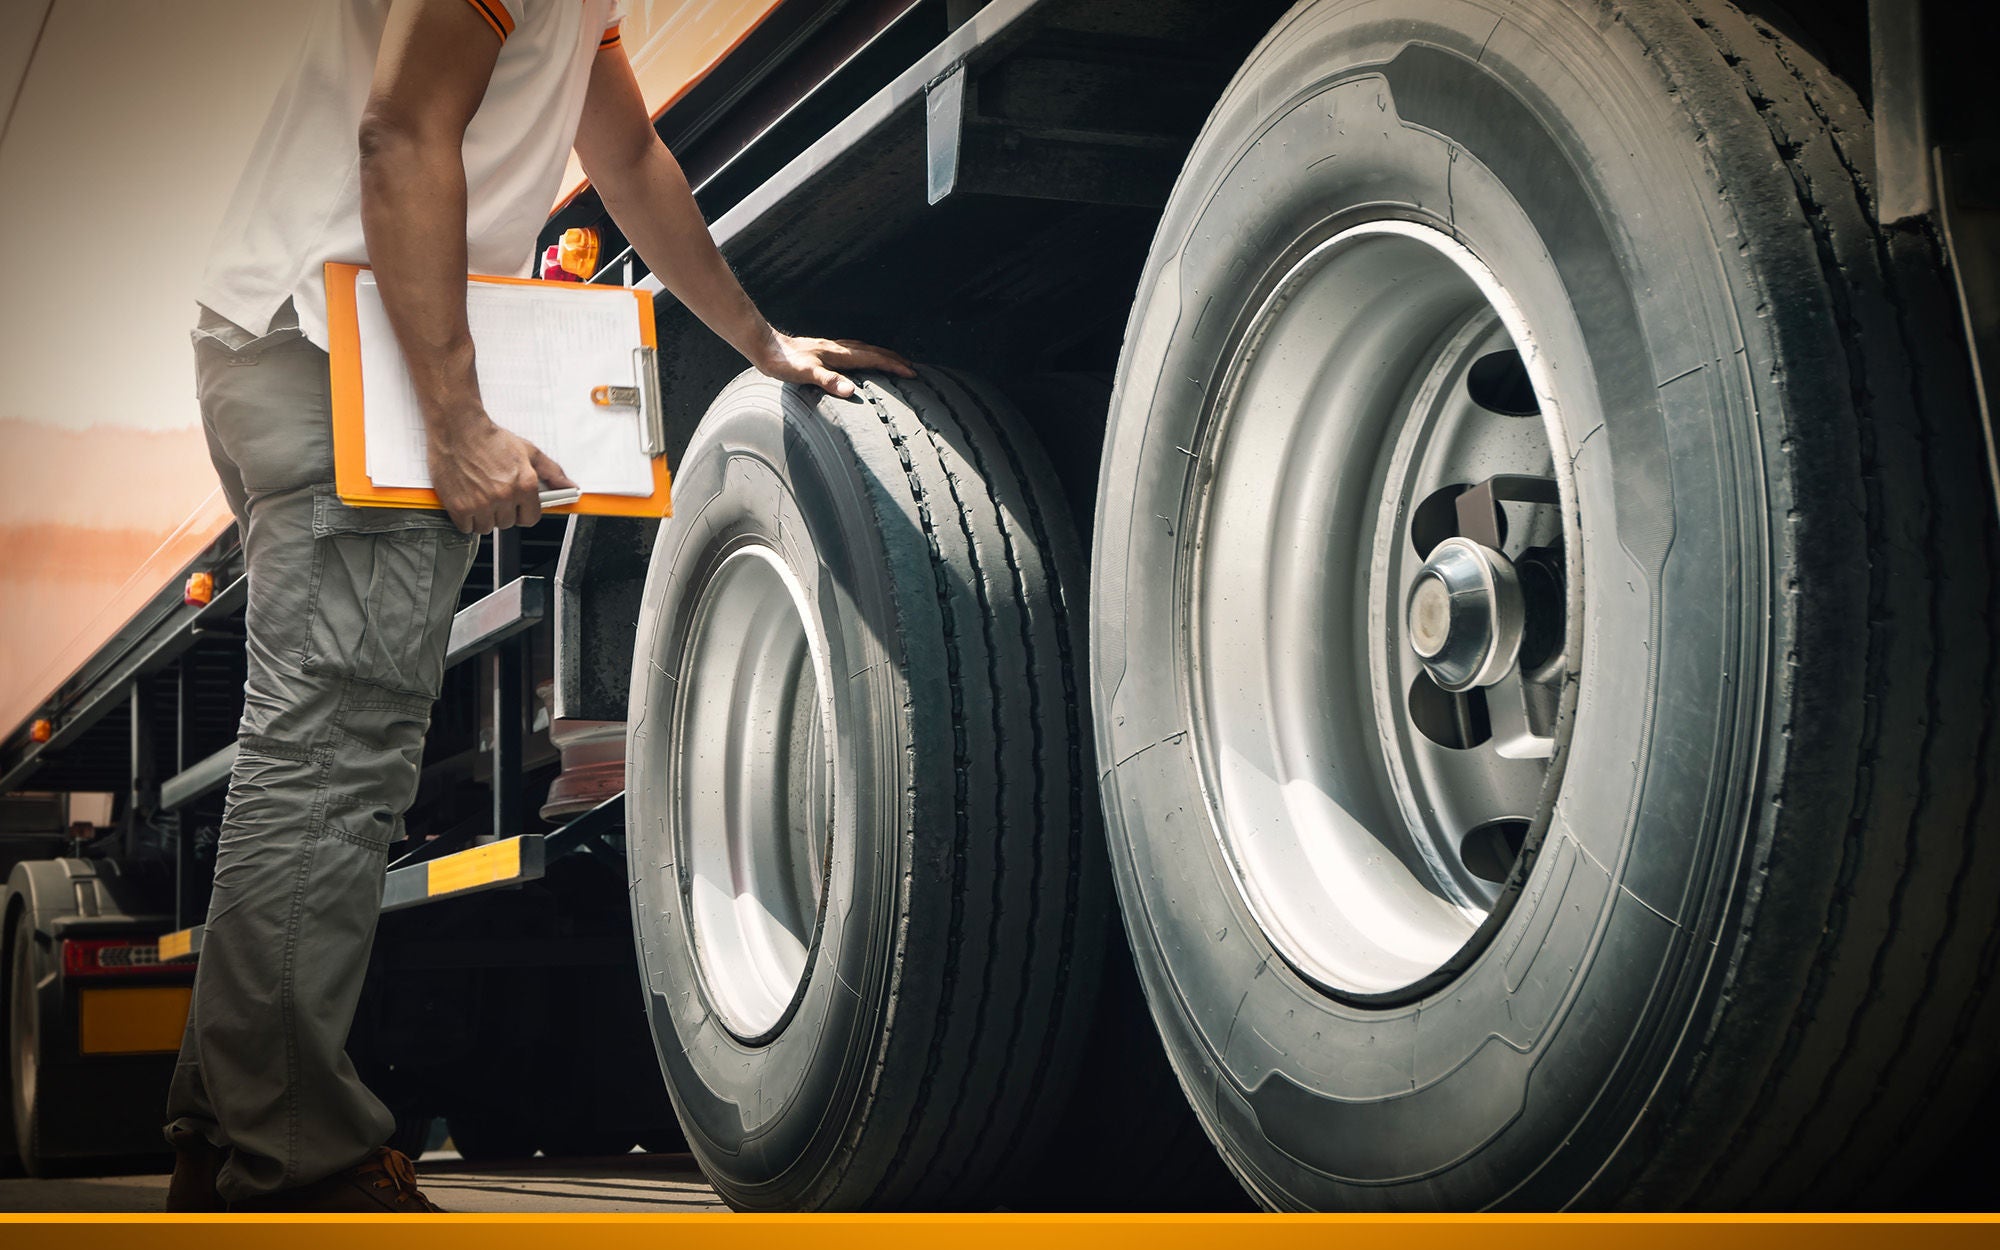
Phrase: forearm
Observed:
(646, 193)
(413, 216)
(652, 203)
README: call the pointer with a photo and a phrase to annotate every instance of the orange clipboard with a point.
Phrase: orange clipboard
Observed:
(350, 451)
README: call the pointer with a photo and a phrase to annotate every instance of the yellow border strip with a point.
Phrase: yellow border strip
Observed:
(176, 945)
(692, 1231)
(468, 870)
(506, 862)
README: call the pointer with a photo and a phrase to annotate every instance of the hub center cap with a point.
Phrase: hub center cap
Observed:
(1465, 614)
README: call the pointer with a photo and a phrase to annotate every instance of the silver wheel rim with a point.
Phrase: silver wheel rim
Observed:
(753, 779)
(1370, 816)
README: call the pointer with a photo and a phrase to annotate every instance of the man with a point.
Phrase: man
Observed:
(426, 138)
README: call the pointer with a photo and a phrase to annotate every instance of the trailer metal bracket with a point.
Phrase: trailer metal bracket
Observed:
(511, 861)
(590, 827)
(494, 866)
(190, 784)
(944, 128)
(1969, 218)
(514, 608)
(1903, 186)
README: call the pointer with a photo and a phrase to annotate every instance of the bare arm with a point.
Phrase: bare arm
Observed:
(648, 196)
(430, 74)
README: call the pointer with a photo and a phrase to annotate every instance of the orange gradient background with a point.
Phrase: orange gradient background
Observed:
(125, 127)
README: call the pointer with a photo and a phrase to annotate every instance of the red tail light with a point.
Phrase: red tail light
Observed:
(114, 957)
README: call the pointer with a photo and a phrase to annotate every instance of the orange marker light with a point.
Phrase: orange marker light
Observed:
(200, 590)
(42, 730)
(578, 251)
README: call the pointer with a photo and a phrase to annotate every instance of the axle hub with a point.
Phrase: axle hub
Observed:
(1465, 615)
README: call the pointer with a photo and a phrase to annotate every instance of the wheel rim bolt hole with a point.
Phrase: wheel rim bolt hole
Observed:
(1499, 383)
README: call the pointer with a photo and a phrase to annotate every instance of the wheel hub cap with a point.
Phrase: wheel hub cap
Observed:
(1466, 615)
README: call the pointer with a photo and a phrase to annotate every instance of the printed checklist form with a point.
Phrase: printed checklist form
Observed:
(565, 366)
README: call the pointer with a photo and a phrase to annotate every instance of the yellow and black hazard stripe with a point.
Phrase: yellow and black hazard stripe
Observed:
(496, 16)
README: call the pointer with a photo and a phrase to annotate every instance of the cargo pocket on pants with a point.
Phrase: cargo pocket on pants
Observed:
(385, 585)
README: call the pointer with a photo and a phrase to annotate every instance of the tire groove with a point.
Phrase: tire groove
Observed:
(1073, 724)
(871, 1096)
(954, 939)
(1762, 856)
(1920, 813)
(1000, 737)
(1989, 956)
(1038, 740)
(1852, 847)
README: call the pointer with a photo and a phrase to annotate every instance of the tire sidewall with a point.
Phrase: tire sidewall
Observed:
(20, 1108)
(766, 468)
(1516, 1081)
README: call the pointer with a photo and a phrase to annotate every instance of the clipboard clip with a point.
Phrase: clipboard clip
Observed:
(644, 395)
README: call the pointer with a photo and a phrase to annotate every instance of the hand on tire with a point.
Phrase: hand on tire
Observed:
(820, 362)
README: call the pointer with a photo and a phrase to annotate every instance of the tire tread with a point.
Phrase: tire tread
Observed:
(1908, 839)
(978, 1097)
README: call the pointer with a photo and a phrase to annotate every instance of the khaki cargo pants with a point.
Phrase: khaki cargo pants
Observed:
(349, 613)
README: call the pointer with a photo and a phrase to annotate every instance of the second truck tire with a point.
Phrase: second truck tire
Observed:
(1542, 624)
(23, 1051)
(867, 876)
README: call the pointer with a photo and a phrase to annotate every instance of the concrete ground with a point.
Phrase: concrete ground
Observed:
(633, 1182)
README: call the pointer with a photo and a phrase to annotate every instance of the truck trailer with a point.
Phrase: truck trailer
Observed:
(1424, 638)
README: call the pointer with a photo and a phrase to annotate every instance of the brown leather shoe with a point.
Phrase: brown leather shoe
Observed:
(384, 1181)
(195, 1164)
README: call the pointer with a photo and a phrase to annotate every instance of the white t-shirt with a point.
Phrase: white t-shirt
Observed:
(299, 203)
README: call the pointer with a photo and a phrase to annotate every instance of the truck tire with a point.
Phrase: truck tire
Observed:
(867, 879)
(23, 1046)
(1559, 340)
(10, 1159)
(69, 1106)
(1128, 1141)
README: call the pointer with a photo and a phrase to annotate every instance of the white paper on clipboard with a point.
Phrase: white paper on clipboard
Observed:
(540, 352)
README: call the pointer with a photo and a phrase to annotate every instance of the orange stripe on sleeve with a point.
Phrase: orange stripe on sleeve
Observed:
(496, 16)
(610, 40)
